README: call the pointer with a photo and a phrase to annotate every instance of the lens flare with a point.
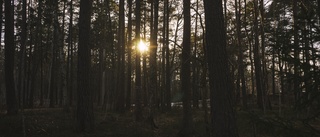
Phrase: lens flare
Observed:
(142, 46)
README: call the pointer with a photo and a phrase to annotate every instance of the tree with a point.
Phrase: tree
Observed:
(69, 60)
(296, 50)
(12, 107)
(168, 66)
(121, 58)
(129, 47)
(257, 59)
(1, 21)
(138, 110)
(84, 114)
(240, 54)
(187, 128)
(195, 72)
(23, 52)
(39, 44)
(153, 62)
(222, 112)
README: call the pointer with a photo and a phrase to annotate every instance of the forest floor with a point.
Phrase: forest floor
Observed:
(53, 122)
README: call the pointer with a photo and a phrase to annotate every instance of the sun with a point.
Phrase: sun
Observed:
(142, 47)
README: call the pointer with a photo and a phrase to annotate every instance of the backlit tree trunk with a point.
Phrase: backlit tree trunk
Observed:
(187, 125)
(153, 63)
(121, 61)
(241, 67)
(23, 53)
(168, 67)
(138, 89)
(222, 111)
(129, 48)
(296, 50)
(257, 59)
(84, 114)
(12, 107)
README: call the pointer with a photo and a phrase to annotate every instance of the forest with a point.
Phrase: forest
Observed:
(160, 68)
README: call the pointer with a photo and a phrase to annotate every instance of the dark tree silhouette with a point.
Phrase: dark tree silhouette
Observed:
(222, 112)
(257, 59)
(12, 107)
(22, 54)
(138, 111)
(296, 50)
(121, 61)
(84, 114)
(129, 65)
(187, 124)
(240, 54)
(153, 63)
(168, 67)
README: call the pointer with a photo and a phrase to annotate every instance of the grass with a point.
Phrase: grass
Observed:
(56, 123)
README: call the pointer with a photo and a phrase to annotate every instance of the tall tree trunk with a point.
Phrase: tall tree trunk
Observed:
(12, 106)
(84, 114)
(69, 59)
(296, 50)
(168, 67)
(144, 60)
(163, 60)
(187, 125)
(138, 110)
(22, 52)
(257, 59)
(222, 112)
(62, 58)
(39, 44)
(1, 23)
(121, 76)
(264, 73)
(240, 54)
(110, 96)
(195, 92)
(129, 49)
(153, 63)
(250, 51)
(54, 57)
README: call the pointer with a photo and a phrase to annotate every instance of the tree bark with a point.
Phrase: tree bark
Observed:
(84, 114)
(39, 44)
(69, 59)
(12, 106)
(195, 91)
(153, 64)
(168, 66)
(187, 125)
(129, 49)
(163, 60)
(296, 50)
(23, 53)
(240, 54)
(222, 111)
(257, 60)
(121, 61)
(138, 110)
(1, 21)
